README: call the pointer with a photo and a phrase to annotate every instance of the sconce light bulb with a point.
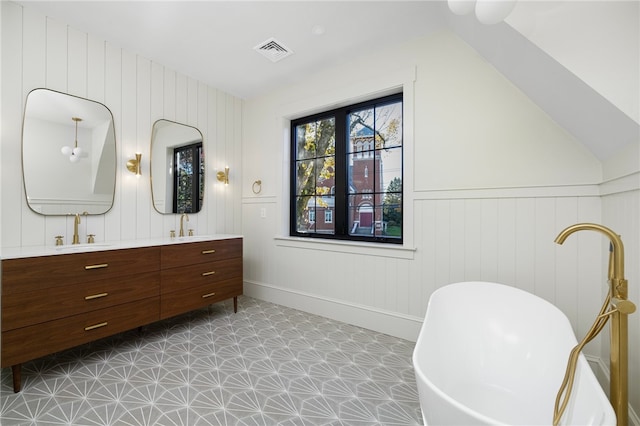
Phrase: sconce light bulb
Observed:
(74, 158)
(66, 150)
(77, 151)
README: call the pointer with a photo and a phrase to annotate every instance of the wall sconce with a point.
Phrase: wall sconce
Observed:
(133, 165)
(224, 176)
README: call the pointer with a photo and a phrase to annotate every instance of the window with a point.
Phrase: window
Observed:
(188, 188)
(328, 216)
(346, 166)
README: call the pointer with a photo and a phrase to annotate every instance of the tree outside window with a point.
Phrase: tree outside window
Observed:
(189, 178)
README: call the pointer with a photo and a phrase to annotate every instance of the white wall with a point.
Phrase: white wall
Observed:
(41, 52)
(490, 181)
(610, 29)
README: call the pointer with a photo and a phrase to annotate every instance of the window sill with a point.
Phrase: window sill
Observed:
(351, 247)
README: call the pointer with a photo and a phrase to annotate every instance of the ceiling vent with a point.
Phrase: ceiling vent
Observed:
(273, 50)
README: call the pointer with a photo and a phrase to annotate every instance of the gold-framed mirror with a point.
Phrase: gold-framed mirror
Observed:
(177, 168)
(68, 154)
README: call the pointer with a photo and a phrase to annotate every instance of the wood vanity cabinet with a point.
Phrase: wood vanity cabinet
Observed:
(200, 274)
(52, 303)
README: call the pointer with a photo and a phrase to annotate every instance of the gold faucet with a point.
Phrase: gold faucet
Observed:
(621, 307)
(181, 224)
(76, 222)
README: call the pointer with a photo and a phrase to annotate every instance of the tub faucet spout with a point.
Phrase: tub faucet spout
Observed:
(616, 258)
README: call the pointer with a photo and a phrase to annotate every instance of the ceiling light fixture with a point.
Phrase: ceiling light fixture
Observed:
(75, 152)
(488, 12)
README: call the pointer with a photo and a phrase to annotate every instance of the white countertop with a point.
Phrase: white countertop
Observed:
(35, 251)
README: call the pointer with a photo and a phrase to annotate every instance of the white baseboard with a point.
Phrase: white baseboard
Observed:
(398, 325)
(601, 370)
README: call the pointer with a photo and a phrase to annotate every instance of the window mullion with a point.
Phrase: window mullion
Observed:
(341, 193)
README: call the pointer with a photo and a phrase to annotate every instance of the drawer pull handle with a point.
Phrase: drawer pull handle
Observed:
(98, 266)
(208, 251)
(93, 327)
(206, 274)
(204, 296)
(96, 296)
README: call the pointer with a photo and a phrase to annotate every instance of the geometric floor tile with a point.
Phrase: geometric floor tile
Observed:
(265, 365)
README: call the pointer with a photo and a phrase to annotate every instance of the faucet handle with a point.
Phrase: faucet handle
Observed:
(191, 232)
(172, 233)
(625, 307)
(91, 238)
(58, 240)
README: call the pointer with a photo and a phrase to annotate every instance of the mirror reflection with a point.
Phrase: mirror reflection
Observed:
(68, 154)
(177, 168)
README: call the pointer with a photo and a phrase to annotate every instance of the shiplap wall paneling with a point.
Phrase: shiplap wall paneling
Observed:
(211, 154)
(128, 131)
(236, 144)
(77, 63)
(12, 107)
(201, 120)
(57, 55)
(96, 90)
(506, 210)
(141, 143)
(158, 224)
(168, 94)
(34, 75)
(113, 99)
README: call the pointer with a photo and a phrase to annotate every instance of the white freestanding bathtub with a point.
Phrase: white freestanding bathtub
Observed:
(492, 354)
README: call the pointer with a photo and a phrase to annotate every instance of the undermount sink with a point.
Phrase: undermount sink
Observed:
(82, 247)
(194, 238)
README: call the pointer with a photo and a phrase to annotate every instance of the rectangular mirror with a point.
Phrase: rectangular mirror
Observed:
(177, 168)
(68, 154)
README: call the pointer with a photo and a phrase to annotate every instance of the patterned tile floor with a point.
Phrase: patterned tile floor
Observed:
(265, 365)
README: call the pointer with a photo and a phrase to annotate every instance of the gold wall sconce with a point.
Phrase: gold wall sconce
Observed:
(223, 176)
(133, 165)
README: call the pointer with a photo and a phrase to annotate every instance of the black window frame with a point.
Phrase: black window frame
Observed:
(341, 208)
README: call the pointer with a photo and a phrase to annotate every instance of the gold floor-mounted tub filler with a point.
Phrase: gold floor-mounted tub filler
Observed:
(617, 307)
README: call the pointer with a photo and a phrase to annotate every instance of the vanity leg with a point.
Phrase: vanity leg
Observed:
(235, 304)
(16, 371)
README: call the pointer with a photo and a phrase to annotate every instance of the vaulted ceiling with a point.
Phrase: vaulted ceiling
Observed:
(579, 60)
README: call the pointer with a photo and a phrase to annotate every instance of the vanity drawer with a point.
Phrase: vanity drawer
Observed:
(198, 296)
(31, 342)
(33, 307)
(38, 273)
(179, 279)
(206, 251)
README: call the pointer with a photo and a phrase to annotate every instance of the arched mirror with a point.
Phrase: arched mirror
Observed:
(68, 154)
(177, 168)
